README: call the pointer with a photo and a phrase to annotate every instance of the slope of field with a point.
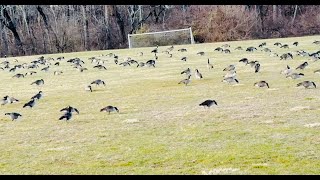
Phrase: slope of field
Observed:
(161, 129)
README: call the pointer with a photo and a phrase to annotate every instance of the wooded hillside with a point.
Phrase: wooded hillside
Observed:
(42, 29)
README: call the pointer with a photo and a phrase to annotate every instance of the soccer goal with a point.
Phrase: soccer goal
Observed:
(161, 38)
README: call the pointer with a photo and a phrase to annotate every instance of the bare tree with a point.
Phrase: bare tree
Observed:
(294, 14)
(274, 13)
(85, 27)
(8, 22)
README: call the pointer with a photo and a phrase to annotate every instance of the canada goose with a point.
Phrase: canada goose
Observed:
(38, 82)
(76, 65)
(232, 73)
(227, 51)
(225, 46)
(230, 68)
(100, 67)
(109, 109)
(317, 71)
(18, 76)
(125, 64)
(151, 63)
(98, 82)
(277, 44)
(316, 42)
(307, 84)
(286, 71)
(13, 115)
(218, 49)
(253, 63)
(19, 66)
(230, 80)
(302, 53)
(261, 84)
(81, 69)
(238, 48)
(116, 61)
(46, 69)
(13, 69)
(186, 81)
(170, 48)
(31, 103)
(88, 88)
(210, 66)
(4, 100)
(184, 59)
(60, 58)
(37, 96)
(197, 74)
(266, 50)
(30, 73)
(316, 55)
(67, 116)
(140, 64)
(57, 64)
(274, 55)
(8, 100)
(69, 109)
(166, 52)
(155, 50)
(251, 49)
(131, 61)
(12, 100)
(208, 103)
(33, 66)
(295, 75)
(183, 50)
(286, 56)
(244, 60)
(262, 44)
(295, 44)
(285, 46)
(187, 72)
(57, 72)
(303, 65)
(257, 68)
(200, 53)
(170, 55)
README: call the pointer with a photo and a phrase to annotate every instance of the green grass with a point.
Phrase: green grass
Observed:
(160, 128)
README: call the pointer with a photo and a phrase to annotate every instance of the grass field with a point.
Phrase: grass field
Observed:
(161, 129)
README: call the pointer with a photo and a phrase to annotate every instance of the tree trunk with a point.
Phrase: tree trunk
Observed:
(10, 25)
(120, 23)
(85, 28)
(274, 13)
(184, 14)
(295, 13)
(106, 22)
(5, 40)
(140, 14)
(23, 10)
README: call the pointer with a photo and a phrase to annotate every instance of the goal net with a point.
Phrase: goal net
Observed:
(161, 38)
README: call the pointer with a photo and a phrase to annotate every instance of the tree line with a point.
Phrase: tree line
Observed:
(43, 29)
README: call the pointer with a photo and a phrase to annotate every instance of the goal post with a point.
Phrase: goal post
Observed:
(161, 38)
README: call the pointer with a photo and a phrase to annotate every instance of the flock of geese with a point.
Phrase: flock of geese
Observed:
(230, 77)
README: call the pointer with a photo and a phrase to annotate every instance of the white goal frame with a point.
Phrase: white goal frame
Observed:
(190, 31)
